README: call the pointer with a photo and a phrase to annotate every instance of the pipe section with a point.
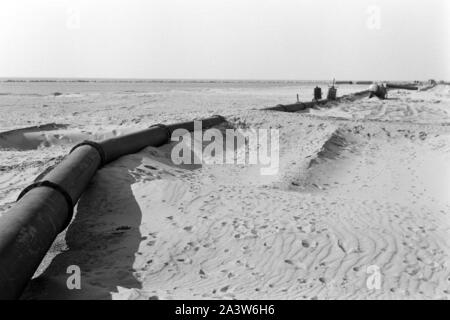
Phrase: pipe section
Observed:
(45, 208)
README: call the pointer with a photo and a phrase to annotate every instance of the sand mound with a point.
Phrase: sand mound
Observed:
(48, 135)
(332, 157)
(332, 148)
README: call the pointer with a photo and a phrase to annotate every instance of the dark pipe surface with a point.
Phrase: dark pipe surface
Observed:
(26, 233)
(131, 143)
(305, 105)
(401, 86)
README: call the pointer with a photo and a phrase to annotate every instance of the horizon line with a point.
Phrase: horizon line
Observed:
(87, 79)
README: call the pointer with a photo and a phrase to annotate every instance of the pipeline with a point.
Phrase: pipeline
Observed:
(401, 86)
(45, 208)
(299, 106)
(344, 82)
(306, 105)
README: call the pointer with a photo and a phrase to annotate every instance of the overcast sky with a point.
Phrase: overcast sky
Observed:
(226, 39)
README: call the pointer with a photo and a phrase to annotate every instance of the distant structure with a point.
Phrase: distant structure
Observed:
(378, 90)
(317, 93)
(332, 92)
(344, 82)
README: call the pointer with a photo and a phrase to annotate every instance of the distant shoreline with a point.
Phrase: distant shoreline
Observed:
(123, 80)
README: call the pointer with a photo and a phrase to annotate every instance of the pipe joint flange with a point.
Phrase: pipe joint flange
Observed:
(97, 147)
(56, 187)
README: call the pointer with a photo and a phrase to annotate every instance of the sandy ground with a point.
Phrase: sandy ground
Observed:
(361, 185)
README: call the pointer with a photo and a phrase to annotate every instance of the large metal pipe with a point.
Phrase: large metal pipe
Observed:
(413, 87)
(295, 107)
(45, 208)
(306, 105)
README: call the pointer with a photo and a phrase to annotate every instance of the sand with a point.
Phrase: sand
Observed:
(362, 185)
